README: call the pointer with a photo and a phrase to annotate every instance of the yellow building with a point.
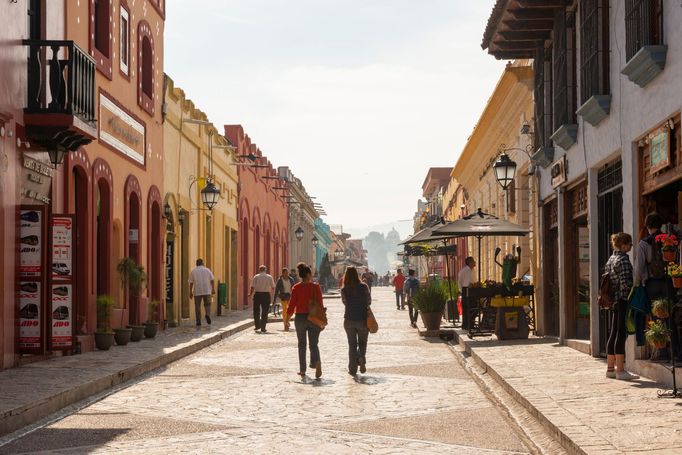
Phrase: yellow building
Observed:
(502, 125)
(193, 151)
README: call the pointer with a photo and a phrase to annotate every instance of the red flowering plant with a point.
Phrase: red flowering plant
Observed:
(668, 242)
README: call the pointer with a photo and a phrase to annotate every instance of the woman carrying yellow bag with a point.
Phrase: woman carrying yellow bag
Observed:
(356, 298)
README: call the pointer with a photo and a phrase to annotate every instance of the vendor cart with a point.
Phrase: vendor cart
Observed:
(508, 313)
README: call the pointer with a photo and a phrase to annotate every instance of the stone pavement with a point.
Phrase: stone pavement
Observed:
(569, 394)
(33, 391)
(243, 395)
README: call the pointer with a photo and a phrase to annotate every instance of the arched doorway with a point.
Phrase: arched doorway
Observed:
(79, 203)
(244, 235)
(133, 216)
(155, 259)
(257, 260)
(103, 240)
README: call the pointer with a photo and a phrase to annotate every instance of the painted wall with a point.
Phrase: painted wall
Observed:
(262, 214)
(187, 157)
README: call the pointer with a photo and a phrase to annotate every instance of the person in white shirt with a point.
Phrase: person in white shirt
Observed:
(262, 290)
(464, 280)
(201, 288)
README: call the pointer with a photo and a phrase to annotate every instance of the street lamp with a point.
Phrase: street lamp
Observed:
(299, 233)
(505, 170)
(210, 195)
(56, 156)
(315, 241)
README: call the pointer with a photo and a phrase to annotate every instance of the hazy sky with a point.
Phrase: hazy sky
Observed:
(358, 97)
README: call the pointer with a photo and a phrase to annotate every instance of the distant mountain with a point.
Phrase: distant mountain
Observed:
(404, 228)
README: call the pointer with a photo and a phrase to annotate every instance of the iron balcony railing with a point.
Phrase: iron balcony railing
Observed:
(61, 79)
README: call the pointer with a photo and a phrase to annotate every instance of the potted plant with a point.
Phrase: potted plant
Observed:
(660, 308)
(657, 335)
(104, 336)
(675, 272)
(152, 324)
(134, 279)
(430, 301)
(668, 244)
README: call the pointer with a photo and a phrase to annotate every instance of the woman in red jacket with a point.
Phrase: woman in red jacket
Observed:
(301, 293)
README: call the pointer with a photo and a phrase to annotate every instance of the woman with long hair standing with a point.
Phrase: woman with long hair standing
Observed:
(301, 294)
(356, 298)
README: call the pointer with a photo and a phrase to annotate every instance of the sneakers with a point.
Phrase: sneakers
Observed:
(208, 319)
(318, 370)
(611, 374)
(625, 375)
(362, 362)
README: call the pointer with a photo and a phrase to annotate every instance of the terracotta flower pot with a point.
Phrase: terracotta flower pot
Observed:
(659, 344)
(668, 255)
(677, 281)
(432, 320)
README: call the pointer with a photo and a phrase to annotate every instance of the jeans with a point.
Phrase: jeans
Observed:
(261, 305)
(399, 299)
(356, 332)
(413, 312)
(303, 328)
(197, 306)
(616, 343)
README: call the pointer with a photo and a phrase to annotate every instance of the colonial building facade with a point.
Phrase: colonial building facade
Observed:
(302, 216)
(607, 105)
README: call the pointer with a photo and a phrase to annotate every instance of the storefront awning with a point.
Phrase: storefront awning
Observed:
(479, 224)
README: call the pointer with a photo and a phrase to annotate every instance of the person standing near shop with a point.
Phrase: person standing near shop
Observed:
(283, 291)
(201, 288)
(464, 279)
(262, 290)
(410, 288)
(619, 269)
(398, 284)
(650, 268)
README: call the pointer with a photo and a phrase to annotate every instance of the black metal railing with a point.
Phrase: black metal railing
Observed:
(643, 25)
(594, 48)
(61, 79)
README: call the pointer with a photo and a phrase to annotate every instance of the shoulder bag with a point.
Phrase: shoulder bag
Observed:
(317, 314)
(372, 324)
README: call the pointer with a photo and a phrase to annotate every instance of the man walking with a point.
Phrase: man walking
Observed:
(368, 279)
(398, 283)
(262, 289)
(283, 291)
(464, 280)
(411, 287)
(201, 288)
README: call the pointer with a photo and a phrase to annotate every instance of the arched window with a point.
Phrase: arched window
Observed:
(146, 68)
(100, 34)
(146, 74)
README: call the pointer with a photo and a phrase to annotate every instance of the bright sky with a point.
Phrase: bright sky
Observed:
(358, 97)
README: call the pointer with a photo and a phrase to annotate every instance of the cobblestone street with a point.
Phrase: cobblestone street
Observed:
(243, 394)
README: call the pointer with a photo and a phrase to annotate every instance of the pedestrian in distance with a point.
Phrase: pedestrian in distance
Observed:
(464, 279)
(262, 290)
(201, 288)
(368, 279)
(355, 297)
(301, 295)
(283, 291)
(398, 283)
(411, 287)
(619, 269)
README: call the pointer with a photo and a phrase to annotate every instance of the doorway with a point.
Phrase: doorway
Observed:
(134, 252)
(80, 272)
(103, 241)
(551, 269)
(155, 240)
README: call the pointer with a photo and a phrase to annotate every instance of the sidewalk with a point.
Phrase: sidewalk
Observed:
(36, 390)
(569, 394)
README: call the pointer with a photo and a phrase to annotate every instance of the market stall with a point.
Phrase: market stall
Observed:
(506, 309)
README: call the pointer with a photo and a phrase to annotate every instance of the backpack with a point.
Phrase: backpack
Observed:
(657, 266)
(605, 299)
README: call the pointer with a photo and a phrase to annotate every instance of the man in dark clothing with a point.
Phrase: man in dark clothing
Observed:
(411, 287)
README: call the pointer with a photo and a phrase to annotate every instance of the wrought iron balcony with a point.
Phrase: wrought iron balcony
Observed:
(61, 103)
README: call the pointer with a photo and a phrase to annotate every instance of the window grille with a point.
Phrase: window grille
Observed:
(594, 48)
(643, 25)
(610, 176)
(564, 68)
(542, 97)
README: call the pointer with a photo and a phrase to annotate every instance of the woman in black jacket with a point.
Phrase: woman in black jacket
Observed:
(355, 296)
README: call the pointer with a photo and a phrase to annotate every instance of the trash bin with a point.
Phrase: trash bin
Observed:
(222, 297)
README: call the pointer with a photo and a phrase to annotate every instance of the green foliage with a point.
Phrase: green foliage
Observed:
(430, 298)
(104, 305)
(133, 277)
(153, 313)
(661, 308)
(451, 290)
(657, 334)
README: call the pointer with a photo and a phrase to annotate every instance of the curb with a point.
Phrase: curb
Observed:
(27, 414)
(562, 438)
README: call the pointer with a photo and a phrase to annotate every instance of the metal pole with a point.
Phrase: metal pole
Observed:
(447, 270)
(479, 257)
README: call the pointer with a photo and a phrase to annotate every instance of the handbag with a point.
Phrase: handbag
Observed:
(317, 314)
(371, 321)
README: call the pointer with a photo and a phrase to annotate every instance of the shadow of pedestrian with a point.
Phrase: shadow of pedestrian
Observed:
(368, 380)
(306, 380)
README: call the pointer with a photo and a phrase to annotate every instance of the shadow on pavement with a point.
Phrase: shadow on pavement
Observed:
(369, 380)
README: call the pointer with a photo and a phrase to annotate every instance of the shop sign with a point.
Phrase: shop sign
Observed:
(659, 150)
(30, 243)
(169, 270)
(29, 298)
(36, 180)
(62, 248)
(62, 316)
(133, 235)
(120, 130)
(558, 172)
